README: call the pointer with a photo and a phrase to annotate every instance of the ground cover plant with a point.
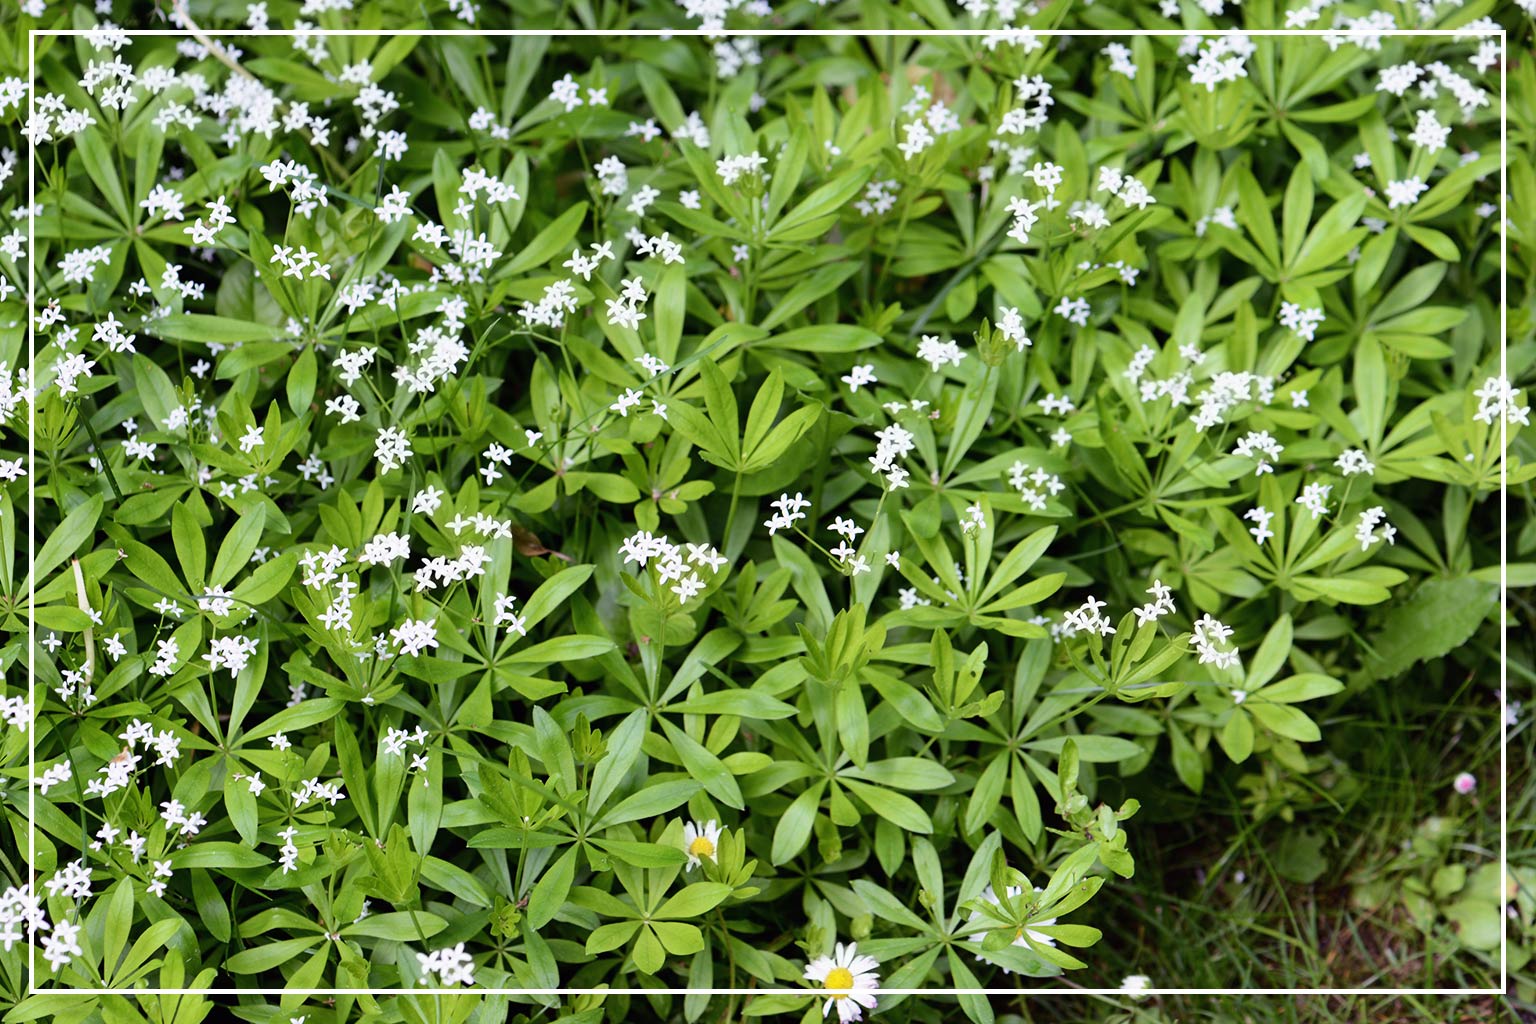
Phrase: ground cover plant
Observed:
(828, 518)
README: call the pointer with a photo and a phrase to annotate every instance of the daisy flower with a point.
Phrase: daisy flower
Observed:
(700, 841)
(977, 919)
(850, 980)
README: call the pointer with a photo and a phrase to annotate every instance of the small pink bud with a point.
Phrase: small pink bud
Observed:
(1465, 783)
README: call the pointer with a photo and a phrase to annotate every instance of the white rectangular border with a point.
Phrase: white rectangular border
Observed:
(1504, 733)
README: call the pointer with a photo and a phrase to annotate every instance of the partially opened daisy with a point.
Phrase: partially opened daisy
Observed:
(978, 918)
(849, 980)
(700, 841)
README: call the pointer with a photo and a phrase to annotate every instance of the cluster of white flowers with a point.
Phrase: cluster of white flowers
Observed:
(232, 652)
(392, 448)
(51, 117)
(1037, 487)
(1127, 188)
(1160, 605)
(892, 443)
(1261, 446)
(733, 168)
(1303, 320)
(219, 218)
(788, 511)
(1221, 216)
(939, 353)
(413, 636)
(314, 790)
(397, 741)
(879, 197)
(1366, 529)
(54, 775)
(438, 570)
(1074, 310)
(1220, 58)
(175, 815)
(679, 564)
(17, 712)
(1496, 399)
(1088, 618)
(21, 915)
(1228, 390)
(1210, 635)
(931, 119)
(1261, 517)
(288, 853)
(167, 651)
(1120, 60)
(627, 310)
(1314, 498)
(1011, 326)
(1032, 106)
(1405, 192)
(1429, 133)
(557, 302)
(1353, 461)
(1433, 77)
(452, 966)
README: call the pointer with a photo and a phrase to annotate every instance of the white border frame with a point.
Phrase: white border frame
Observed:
(1501, 34)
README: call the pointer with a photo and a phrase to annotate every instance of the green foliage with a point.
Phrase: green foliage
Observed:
(642, 513)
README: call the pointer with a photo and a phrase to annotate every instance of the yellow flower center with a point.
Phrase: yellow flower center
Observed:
(839, 977)
(702, 847)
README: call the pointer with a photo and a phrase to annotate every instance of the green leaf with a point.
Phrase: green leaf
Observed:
(678, 938)
(1270, 657)
(887, 907)
(223, 330)
(899, 810)
(66, 539)
(187, 536)
(720, 400)
(818, 211)
(95, 154)
(1236, 736)
(793, 830)
(693, 901)
(1307, 686)
(269, 955)
(611, 936)
(1441, 615)
(547, 243)
(549, 894)
(239, 544)
(656, 799)
(1287, 721)
(214, 854)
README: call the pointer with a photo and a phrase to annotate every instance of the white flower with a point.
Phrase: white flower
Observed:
(937, 353)
(1136, 985)
(62, 945)
(1314, 498)
(978, 919)
(700, 842)
(850, 980)
(391, 447)
(415, 635)
(860, 376)
(454, 966)
(1404, 193)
